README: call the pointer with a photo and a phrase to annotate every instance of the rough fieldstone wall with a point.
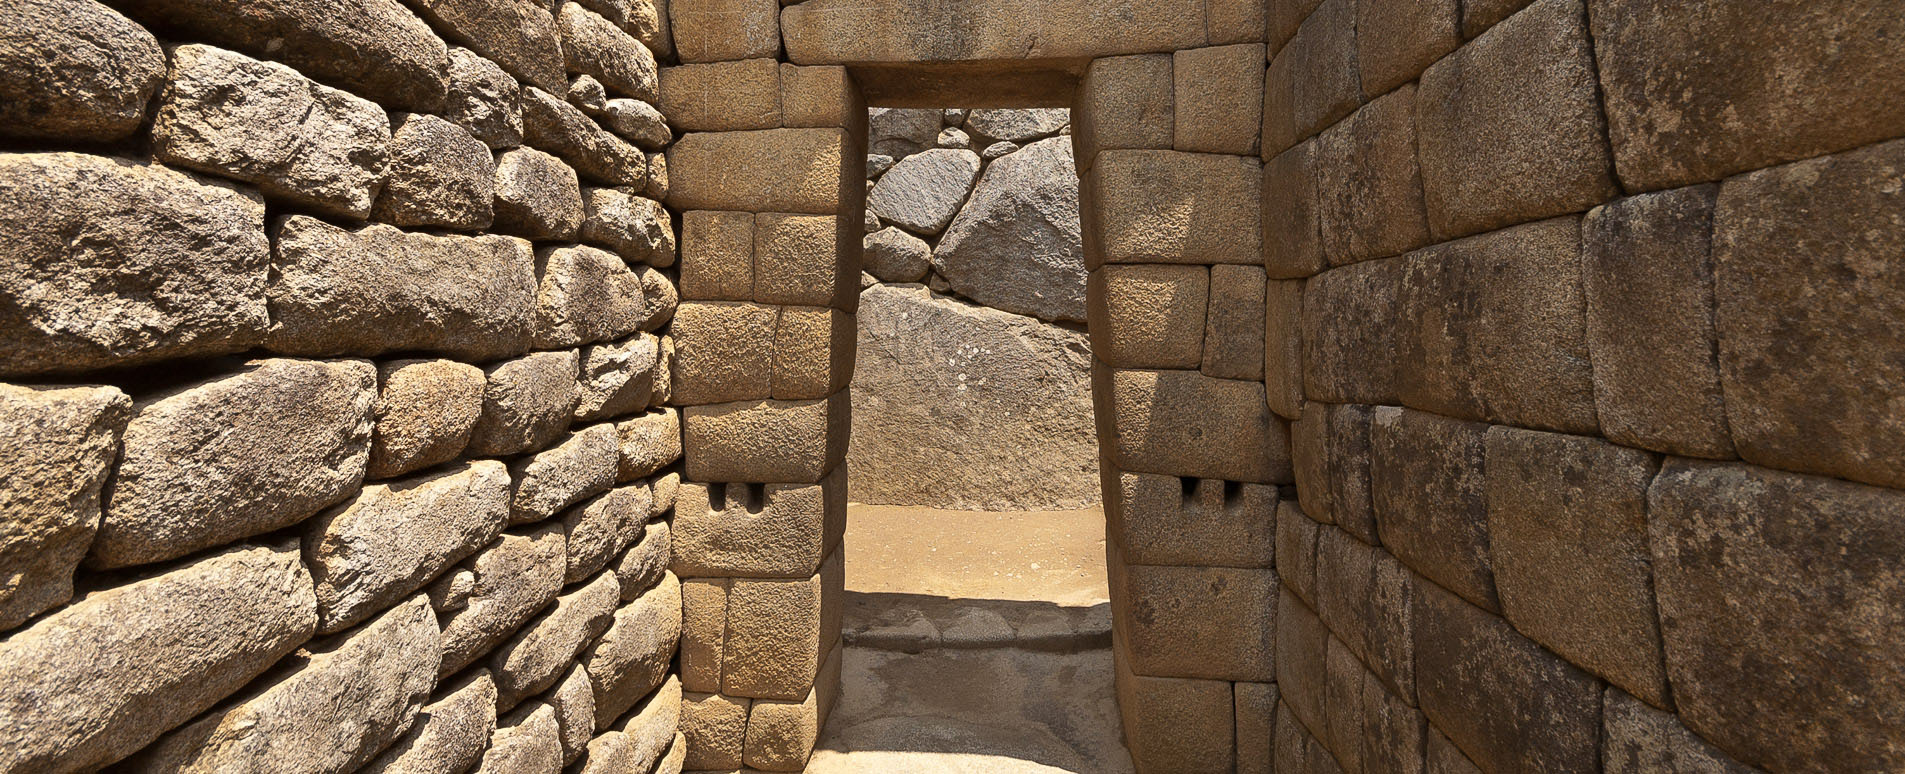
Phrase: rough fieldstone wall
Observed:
(335, 358)
(1586, 315)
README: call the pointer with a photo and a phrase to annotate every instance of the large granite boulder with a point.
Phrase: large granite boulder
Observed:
(1016, 244)
(923, 192)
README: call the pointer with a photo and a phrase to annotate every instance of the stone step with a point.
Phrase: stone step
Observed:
(914, 623)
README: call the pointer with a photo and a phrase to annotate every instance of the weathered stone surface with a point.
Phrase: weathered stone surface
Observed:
(1694, 96)
(1389, 633)
(1368, 187)
(598, 529)
(596, 154)
(782, 441)
(1296, 551)
(532, 661)
(466, 297)
(722, 96)
(1176, 725)
(578, 466)
(1636, 738)
(1233, 323)
(1124, 102)
(998, 149)
(723, 30)
(900, 132)
(519, 37)
(1350, 333)
(1282, 353)
(1647, 275)
(642, 566)
(893, 255)
(425, 411)
(393, 538)
(819, 96)
(617, 378)
(1504, 700)
(528, 402)
(1510, 128)
(1182, 423)
(780, 531)
(877, 165)
(1216, 623)
(512, 579)
(953, 137)
(596, 47)
(704, 631)
(632, 658)
(1804, 345)
(923, 191)
(803, 260)
(59, 444)
(1440, 756)
(725, 352)
(1346, 469)
(574, 703)
(1312, 80)
(103, 677)
(781, 734)
(1015, 245)
(656, 186)
(715, 727)
(1282, 18)
(648, 443)
(1255, 709)
(843, 31)
(585, 295)
(1345, 568)
(74, 70)
(450, 732)
(1018, 125)
(307, 144)
(1292, 232)
(1150, 316)
(484, 100)
(439, 176)
(527, 740)
(536, 196)
(777, 634)
(1774, 589)
(813, 352)
(640, 738)
(377, 675)
(1430, 494)
(377, 49)
(1479, 15)
(1214, 113)
(111, 262)
(1169, 207)
(943, 389)
(638, 229)
(1395, 43)
(794, 170)
(1567, 522)
(638, 122)
(1494, 328)
(306, 439)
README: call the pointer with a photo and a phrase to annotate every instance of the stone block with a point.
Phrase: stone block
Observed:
(1504, 700)
(484, 100)
(450, 732)
(1393, 731)
(1510, 128)
(598, 528)
(1389, 633)
(1804, 344)
(1184, 423)
(805, 260)
(1283, 347)
(715, 727)
(101, 678)
(340, 138)
(1440, 756)
(1321, 74)
(660, 297)
(1428, 486)
(644, 564)
(818, 97)
(1636, 738)
(657, 185)
(1479, 15)
(722, 96)
(1493, 328)
(1296, 550)
(813, 352)
(1346, 469)
(794, 170)
(536, 657)
(756, 531)
(466, 297)
(1149, 316)
(1350, 333)
(438, 176)
(529, 739)
(87, 74)
(1214, 623)
(1368, 187)
(724, 352)
(924, 191)
(536, 196)
(1256, 708)
(717, 256)
(585, 295)
(1235, 21)
(632, 658)
(1396, 41)
(508, 581)
(778, 635)
(1282, 18)
(781, 734)
(723, 30)
(648, 22)
(1124, 102)
(1207, 86)
(391, 539)
(1773, 588)
(1177, 725)
(1345, 569)
(1693, 96)
(597, 155)
(635, 121)
(636, 228)
(1292, 231)
(1647, 275)
(378, 675)
(640, 738)
(617, 378)
(1234, 323)
(766, 441)
(109, 262)
(581, 465)
(598, 48)
(1342, 733)
(1164, 520)
(527, 403)
(519, 37)
(1154, 206)
(1567, 522)
(1017, 244)
(648, 443)
(574, 704)
(1302, 650)
(1309, 460)
(60, 444)
(852, 31)
(704, 630)
(308, 425)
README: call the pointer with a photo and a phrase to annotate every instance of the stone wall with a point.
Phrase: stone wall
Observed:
(336, 356)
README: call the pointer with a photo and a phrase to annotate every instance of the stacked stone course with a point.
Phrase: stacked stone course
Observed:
(329, 447)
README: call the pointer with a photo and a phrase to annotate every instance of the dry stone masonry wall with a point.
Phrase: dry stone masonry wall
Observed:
(335, 340)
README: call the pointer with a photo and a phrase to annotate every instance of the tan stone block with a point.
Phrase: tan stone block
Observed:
(648, 443)
(1427, 481)
(775, 638)
(766, 441)
(1148, 316)
(1349, 333)
(722, 96)
(1124, 102)
(1214, 90)
(1345, 568)
(1152, 206)
(858, 31)
(818, 97)
(1302, 650)
(1368, 187)
(1309, 461)
(704, 630)
(1393, 731)
(721, 30)
(1283, 347)
(425, 412)
(581, 464)
(1177, 725)
(1207, 622)
(1292, 230)
(1282, 17)
(1256, 707)
(1296, 550)
(717, 256)
(1342, 732)
(58, 450)
(631, 660)
(781, 734)
(1164, 520)
(1323, 86)
(1479, 15)
(813, 352)
(1390, 631)
(1234, 21)
(1183, 423)
(788, 170)
(1396, 41)
(715, 727)
(1234, 323)
(724, 352)
(803, 260)
(756, 530)
(1636, 739)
